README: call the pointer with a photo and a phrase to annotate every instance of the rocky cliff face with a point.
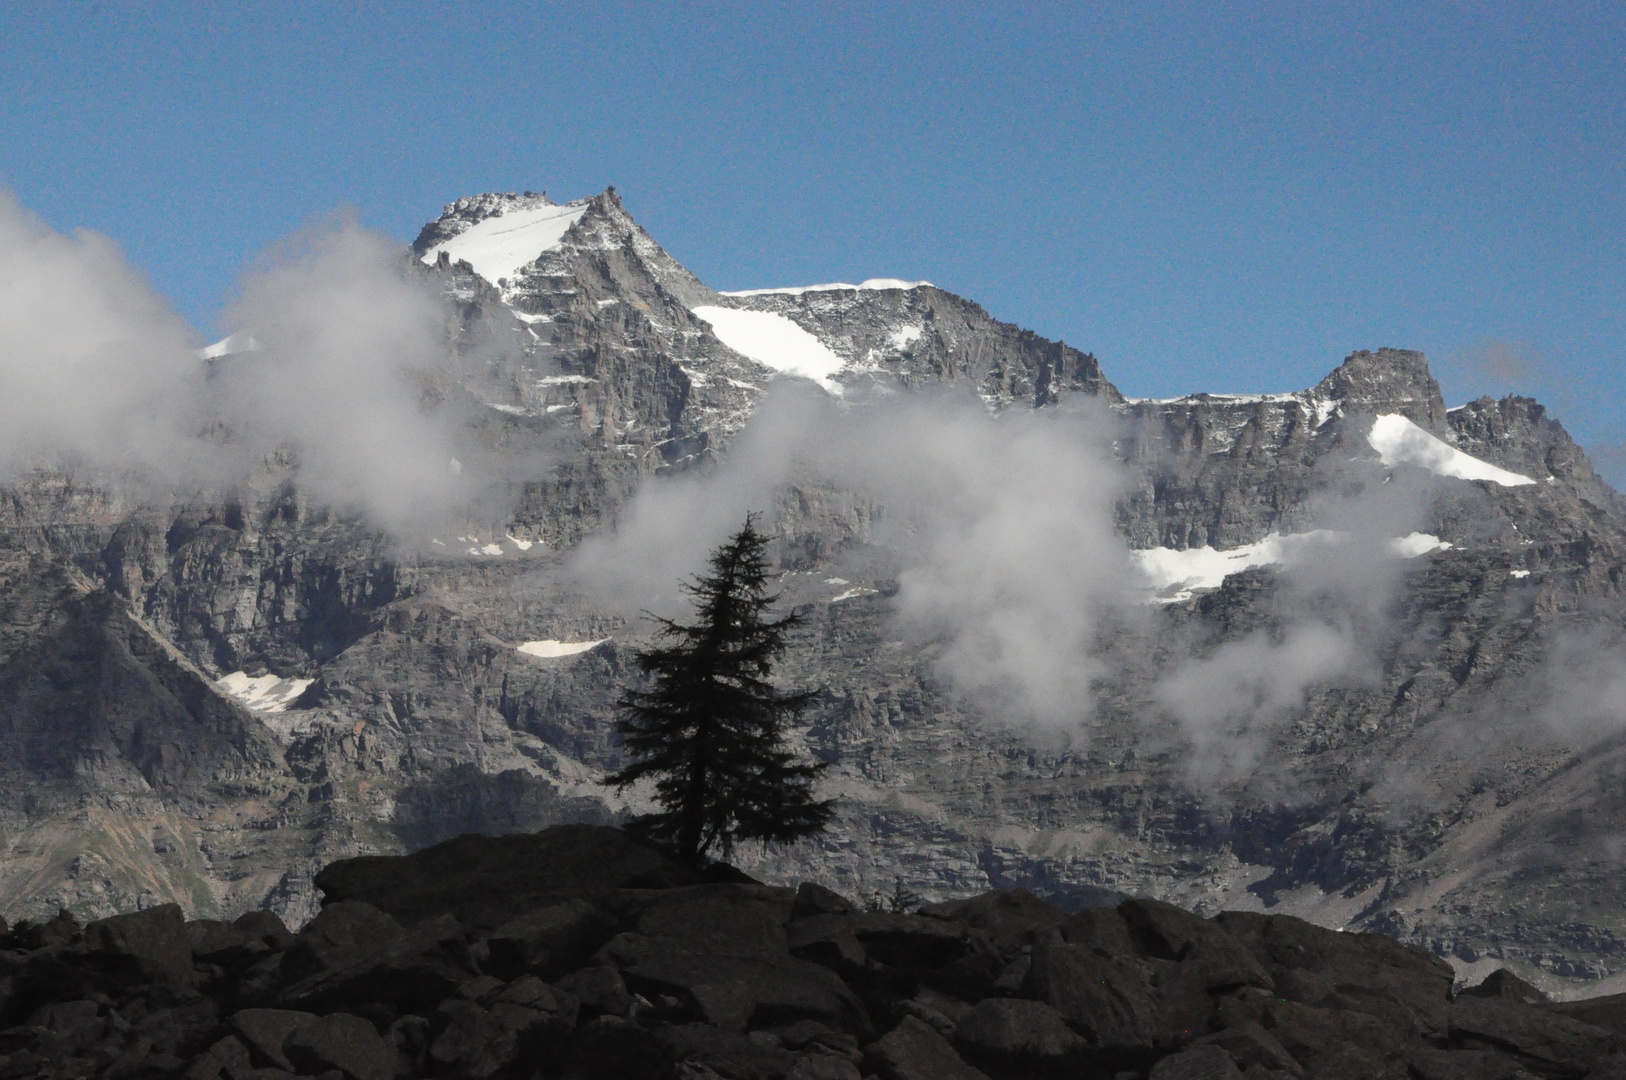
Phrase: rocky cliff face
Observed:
(1436, 793)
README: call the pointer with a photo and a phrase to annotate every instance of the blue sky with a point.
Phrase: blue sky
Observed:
(1226, 201)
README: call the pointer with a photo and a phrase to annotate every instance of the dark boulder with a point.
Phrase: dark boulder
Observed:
(1197, 1063)
(725, 1053)
(409, 973)
(1095, 996)
(1010, 1034)
(340, 934)
(155, 939)
(910, 942)
(487, 880)
(727, 919)
(1009, 920)
(1368, 971)
(344, 1042)
(1605, 1012)
(548, 941)
(265, 1031)
(813, 899)
(1552, 1042)
(1505, 985)
(913, 1051)
(1249, 1045)
(735, 992)
(1101, 930)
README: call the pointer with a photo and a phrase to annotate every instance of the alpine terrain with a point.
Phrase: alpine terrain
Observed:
(1345, 656)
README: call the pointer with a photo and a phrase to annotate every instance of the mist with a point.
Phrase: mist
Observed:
(1000, 529)
(346, 382)
(1332, 612)
(349, 343)
(97, 370)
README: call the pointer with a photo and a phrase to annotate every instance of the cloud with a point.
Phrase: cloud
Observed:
(1001, 529)
(351, 375)
(96, 368)
(1231, 700)
(350, 342)
(1329, 615)
(1583, 685)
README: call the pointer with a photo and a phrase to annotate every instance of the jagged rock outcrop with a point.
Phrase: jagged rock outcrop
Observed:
(702, 980)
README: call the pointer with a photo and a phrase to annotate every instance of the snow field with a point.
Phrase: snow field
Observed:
(1398, 441)
(498, 246)
(551, 649)
(1169, 569)
(263, 693)
(775, 341)
(874, 283)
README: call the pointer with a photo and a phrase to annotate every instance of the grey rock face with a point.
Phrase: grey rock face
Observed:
(1423, 799)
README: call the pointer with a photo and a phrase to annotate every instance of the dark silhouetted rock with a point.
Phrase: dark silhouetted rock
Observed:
(1368, 971)
(1605, 1012)
(548, 941)
(727, 919)
(1016, 1031)
(473, 1042)
(1009, 920)
(822, 1067)
(912, 942)
(267, 926)
(1095, 996)
(215, 941)
(725, 1053)
(341, 1041)
(913, 1051)
(813, 899)
(598, 991)
(1198, 1063)
(1249, 1044)
(1309, 1030)
(1101, 930)
(1549, 1040)
(265, 1031)
(341, 934)
(1351, 1061)
(228, 1057)
(734, 992)
(411, 972)
(1434, 1063)
(155, 939)
(1505, 985)
(486, 880)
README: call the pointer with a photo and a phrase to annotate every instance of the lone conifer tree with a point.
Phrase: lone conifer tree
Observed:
(711, 728)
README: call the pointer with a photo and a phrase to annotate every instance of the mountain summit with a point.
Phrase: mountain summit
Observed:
(1350, 668)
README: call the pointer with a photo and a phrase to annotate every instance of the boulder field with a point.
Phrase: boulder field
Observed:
(579, 952)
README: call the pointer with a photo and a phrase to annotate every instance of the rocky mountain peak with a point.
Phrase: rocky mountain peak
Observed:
(1387, 381)
(459, 216)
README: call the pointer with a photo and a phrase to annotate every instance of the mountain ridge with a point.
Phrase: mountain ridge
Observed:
(423, 716)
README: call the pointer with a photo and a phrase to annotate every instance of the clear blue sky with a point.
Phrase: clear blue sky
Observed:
(1227, 202)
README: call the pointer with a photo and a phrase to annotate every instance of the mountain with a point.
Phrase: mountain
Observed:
(1368, 681)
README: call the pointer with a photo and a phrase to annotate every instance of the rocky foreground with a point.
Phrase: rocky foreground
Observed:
(578, 952)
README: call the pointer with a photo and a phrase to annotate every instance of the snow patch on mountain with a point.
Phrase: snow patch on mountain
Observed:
(498, 246)
(262, 693)
(1174, 574)
(774, 341)
(1416, 544)
(875, 283)
(240, 342)
(550, 648)
(1398, 441)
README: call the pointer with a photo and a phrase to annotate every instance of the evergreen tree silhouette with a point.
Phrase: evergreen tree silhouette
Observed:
(710, 728)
